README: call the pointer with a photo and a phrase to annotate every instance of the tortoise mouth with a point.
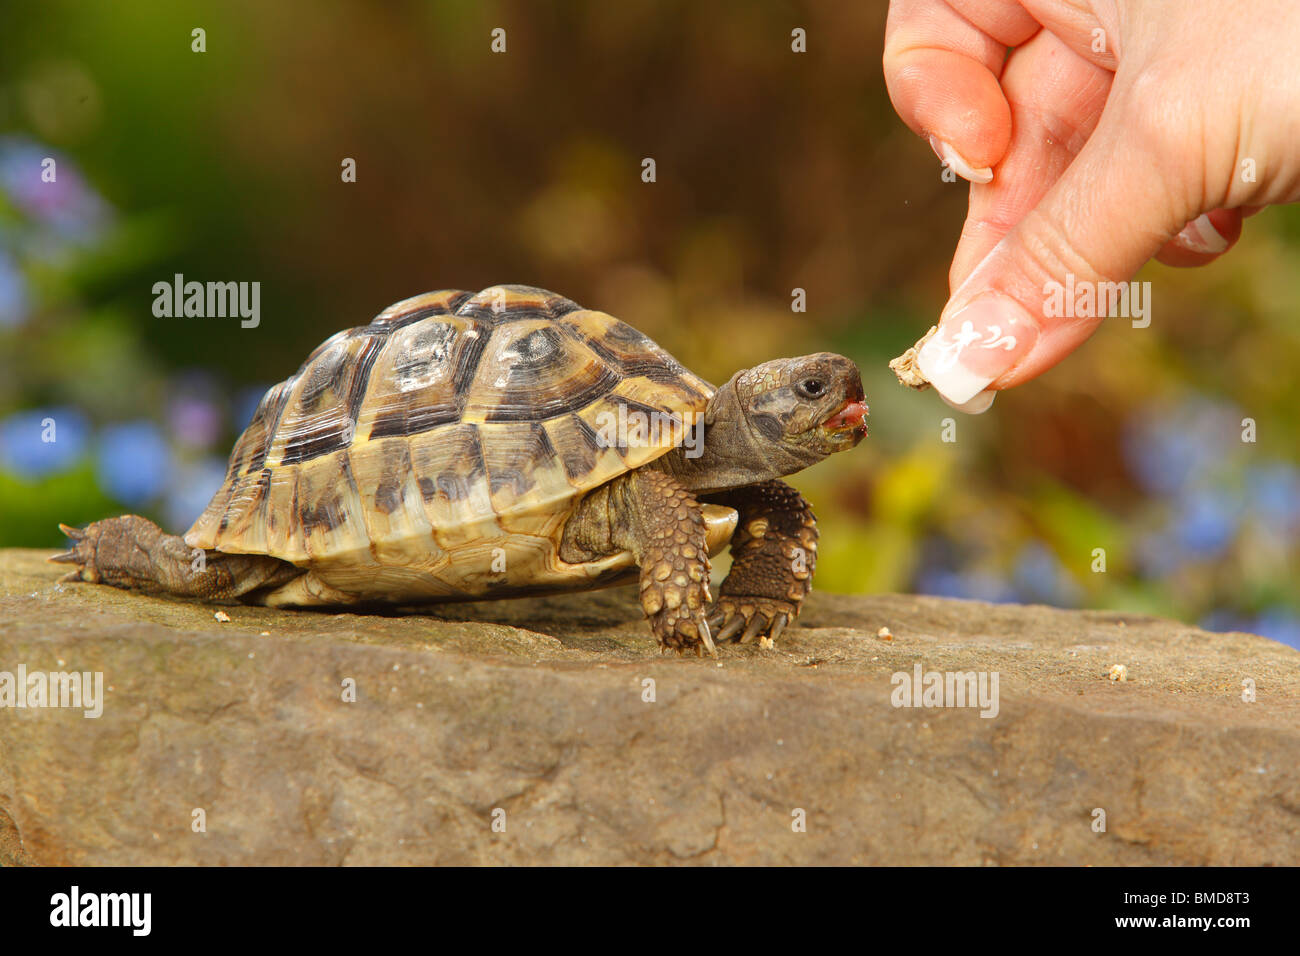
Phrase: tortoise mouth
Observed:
(849, 420)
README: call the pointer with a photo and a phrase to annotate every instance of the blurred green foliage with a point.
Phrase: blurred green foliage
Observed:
(775, 171)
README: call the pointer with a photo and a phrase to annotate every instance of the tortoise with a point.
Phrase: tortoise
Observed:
(503, 443)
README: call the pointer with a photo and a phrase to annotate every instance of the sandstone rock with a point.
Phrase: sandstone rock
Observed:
(536, 708)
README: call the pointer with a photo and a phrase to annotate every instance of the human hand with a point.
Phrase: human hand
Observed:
(1114, 131)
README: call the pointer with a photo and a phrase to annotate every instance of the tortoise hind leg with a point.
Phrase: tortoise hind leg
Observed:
(133, 552)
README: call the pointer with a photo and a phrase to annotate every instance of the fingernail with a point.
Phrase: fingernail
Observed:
(959, 165)
(1199, 235)
(976, 345)
(978, 405)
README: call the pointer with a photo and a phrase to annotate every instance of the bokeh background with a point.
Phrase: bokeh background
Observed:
(775, 171)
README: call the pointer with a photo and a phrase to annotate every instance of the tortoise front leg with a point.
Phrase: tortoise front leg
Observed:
(651, 514)
(773, 552)
(671, 547)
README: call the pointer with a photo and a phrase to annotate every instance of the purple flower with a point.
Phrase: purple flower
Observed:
(195, 422)
(68, 206)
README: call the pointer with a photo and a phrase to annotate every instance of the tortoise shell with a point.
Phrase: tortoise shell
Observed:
(438, 452)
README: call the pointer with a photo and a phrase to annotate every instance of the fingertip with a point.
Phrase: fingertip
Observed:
(954, 99)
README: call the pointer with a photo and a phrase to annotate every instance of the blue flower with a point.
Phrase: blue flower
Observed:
(1222, 619)
(191, 489)
(1279, 624)
(42, 441)
(134, 464)
(983, 586)
(14, 301)
(1274, 494)
(1206, 523)
(1159, 554)
(246, 402)
(971, 585)
(1038, 574)
(1169, 448)
(940, 582)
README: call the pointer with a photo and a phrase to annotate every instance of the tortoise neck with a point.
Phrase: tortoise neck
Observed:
(731, 455)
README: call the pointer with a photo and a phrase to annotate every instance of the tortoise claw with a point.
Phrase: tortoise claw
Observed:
(76, 535)
(752, 628)
(746, 618)
(731, 628)
(706, 638)
(80, 554)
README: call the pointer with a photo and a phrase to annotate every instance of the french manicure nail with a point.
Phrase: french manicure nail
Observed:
(958, 164)
(978, 405)
(1199, 235)
(975, 346)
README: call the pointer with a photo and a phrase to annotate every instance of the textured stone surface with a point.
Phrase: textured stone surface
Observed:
(535, 707)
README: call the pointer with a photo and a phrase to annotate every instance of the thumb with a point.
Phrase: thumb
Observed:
(1046, 286)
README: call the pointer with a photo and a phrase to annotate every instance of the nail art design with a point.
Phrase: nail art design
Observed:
(975, 346)
(948, 348)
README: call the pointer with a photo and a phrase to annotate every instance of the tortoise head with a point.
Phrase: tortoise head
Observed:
(808, 407)
(777, 418)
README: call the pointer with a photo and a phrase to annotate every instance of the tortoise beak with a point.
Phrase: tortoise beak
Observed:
(849, 421)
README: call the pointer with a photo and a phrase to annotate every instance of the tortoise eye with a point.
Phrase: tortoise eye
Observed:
(811, 388)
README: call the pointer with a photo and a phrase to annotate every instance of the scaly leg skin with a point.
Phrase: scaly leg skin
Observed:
(774, 553)
(133, 552)
(650, 514)
(669, 541)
